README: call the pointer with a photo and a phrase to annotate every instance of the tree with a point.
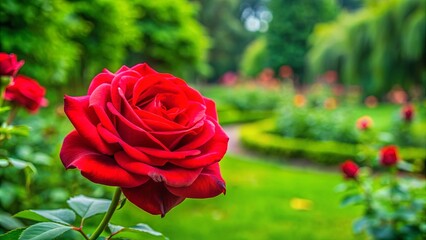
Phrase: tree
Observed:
(292, 23)
(172, 40)
(222, 19)
(40, 31)
(377, 47)
(109, 31)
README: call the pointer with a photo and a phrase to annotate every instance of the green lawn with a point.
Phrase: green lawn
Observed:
(257, 206)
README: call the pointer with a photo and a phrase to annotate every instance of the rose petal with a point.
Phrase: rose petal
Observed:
(102, 78)
(211, 108)
(211, 152)
(152, 197)
(133, 152)
(133, 134)
(98, 101)
(168, 174)
(209, 184)
(85, 120)
(120, 84)
(143, 69)
(193, 141)
(98, 168)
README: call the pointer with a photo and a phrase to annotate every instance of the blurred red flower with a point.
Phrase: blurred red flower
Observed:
(407, 112)
(349, 169)
(26, 92)
(389, 155)
(9, 65)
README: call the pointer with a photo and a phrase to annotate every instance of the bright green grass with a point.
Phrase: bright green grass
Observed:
(256, 206)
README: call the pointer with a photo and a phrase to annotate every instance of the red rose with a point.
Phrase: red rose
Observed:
(9, 65)
(349, 169)
(364, 123)
(389, 155)
(148, 133)
(26, 92)
(407, 112)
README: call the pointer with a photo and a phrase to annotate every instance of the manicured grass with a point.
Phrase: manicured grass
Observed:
(257, 206)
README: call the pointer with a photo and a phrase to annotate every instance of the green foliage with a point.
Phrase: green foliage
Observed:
(292, 23)
(108, 31)
(72, 40)
(376, 47)
(394, 205)
(262, 137)
(56, 222)
(44, 231)
(86, 207)
(257, 205)
(254, 58)
(40, 31)
(172, 40)
(317, 124)
(244, 103)
(228, 35)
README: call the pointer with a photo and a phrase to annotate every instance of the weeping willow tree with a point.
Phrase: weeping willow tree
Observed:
(377, 47)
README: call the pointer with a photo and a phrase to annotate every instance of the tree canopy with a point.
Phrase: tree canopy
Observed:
(292, 23)
(378, 47)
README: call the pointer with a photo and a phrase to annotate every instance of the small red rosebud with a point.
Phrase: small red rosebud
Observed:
(389, 155)
(9, 65)
(26, 92)
(407, 112)
(364, 123)
(349, 169)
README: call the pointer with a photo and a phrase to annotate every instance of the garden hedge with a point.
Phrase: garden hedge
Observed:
(259, 136)
(233, 116)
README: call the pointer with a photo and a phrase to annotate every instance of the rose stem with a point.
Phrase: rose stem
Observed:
(12, 114)
(102, 225)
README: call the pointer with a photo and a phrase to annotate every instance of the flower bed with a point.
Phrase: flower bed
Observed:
(260, 137)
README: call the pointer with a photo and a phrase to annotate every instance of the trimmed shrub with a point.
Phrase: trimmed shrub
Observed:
(260, 136)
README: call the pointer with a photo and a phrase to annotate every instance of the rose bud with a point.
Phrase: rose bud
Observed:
(389, 155)
(26, 92)
(9, 65)
(148, 133)
(364, 123)
(349, 169)
(407, 112)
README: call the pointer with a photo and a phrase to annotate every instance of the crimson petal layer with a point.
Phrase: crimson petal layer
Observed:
(98, 168)
(152, 197)
(85, 120)
(208, 184)
(169, 175)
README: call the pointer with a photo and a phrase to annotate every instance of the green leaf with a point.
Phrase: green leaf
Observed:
(352, 199)
(4, 109)
(64, 216)
(8, 222)
(12, 235)
(20, 164)
(403, 165)
(114, 229)
(360, 225)
(44, 231)
(4, 163)
(87, 207)
(122, 202)
(139, 228)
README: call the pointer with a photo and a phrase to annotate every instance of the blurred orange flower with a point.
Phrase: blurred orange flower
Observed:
(330, 103)
(299, 100)
(364, 123)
